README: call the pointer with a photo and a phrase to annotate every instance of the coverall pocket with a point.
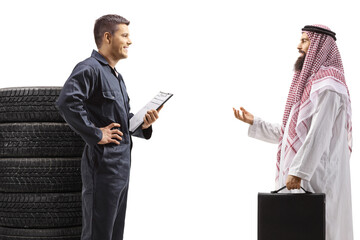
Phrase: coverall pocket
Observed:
(113, 163)
(111, 95)
(109, 103)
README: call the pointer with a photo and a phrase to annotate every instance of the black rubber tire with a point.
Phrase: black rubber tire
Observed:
(40, 210)
(40, 234)
(29, 104)
(35, 175)
(39, 140)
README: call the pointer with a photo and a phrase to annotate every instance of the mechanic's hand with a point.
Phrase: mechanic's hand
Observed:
(150, 117)
(244, 116)
(293, 182)
(109, 135)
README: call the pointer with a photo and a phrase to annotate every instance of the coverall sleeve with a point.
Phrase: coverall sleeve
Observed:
(77, 89)
(265, 131)
(141, 133)
(318, 139)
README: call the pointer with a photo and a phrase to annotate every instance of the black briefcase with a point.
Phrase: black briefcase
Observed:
(291, 216)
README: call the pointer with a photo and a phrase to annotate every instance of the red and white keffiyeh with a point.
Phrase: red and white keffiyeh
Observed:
(322, 70)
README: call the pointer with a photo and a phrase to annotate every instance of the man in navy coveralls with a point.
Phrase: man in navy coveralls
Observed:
(95, 104)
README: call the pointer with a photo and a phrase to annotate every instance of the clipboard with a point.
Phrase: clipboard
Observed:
(137, 120)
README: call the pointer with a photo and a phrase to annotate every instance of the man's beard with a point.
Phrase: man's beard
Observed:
(300, 62)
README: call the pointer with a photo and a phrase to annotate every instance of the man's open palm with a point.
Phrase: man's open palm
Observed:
(244, 116)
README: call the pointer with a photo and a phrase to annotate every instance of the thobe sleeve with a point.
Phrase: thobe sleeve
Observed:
(318, 139)
(70, 103)
(265, 131)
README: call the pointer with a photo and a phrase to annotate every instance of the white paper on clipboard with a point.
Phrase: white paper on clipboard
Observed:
(155, 103)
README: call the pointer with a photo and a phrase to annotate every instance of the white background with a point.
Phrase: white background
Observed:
(199, 175)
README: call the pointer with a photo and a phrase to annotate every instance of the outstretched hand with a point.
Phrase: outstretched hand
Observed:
(109, 135)
(244, 116)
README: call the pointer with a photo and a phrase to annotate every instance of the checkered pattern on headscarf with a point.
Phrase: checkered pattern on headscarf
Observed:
(322, 67)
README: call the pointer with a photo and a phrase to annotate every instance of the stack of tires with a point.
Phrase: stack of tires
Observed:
(40, 180)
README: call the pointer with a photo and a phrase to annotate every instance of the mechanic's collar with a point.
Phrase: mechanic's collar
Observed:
(95, 54)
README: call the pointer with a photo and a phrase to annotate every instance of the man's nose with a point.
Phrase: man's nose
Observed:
(299, 47)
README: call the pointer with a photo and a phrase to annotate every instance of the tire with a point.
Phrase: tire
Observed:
(47, 210)
(29, 104)
(36, 175)
(39, 140)
(40, 234)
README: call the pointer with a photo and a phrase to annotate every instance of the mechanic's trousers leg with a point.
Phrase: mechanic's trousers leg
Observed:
(118, 230)
(104, 206)
(108, 194)
(87, 171)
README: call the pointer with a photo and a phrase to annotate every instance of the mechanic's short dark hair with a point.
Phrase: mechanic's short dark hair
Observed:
(107, 23)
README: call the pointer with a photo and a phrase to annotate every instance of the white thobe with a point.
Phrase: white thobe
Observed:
(322, 162)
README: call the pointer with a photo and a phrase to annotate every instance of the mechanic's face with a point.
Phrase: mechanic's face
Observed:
(120, 42)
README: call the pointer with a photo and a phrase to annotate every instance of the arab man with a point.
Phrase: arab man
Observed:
(315, 137)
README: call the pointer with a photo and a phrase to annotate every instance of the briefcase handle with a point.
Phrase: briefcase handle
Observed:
(276, 191)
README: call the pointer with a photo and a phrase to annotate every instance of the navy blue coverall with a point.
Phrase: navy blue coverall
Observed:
(93, 97)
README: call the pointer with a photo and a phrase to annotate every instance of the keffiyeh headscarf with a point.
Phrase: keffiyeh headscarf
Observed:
(322, 70)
